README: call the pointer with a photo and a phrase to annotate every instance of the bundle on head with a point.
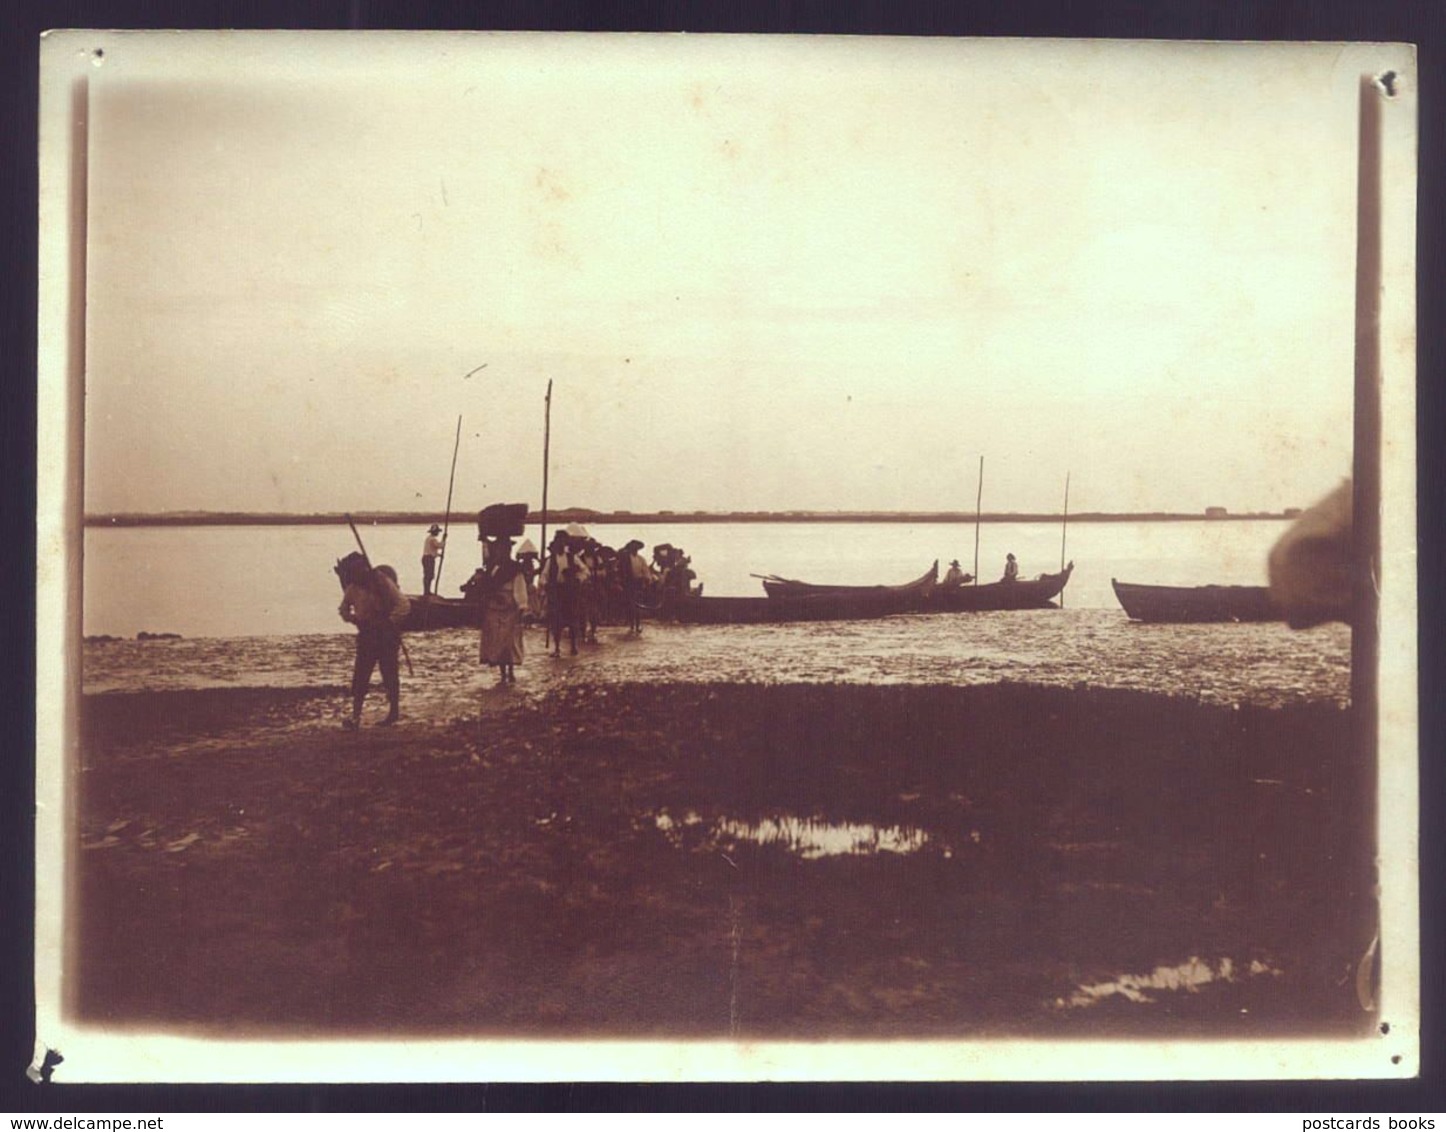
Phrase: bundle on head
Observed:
(353, 568)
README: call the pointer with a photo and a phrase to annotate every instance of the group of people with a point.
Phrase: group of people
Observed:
(955, 575)
(580, 585)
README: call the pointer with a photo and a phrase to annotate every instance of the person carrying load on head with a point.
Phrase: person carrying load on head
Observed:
(373, 602)
(431, 550)
(504, 599)
(1011, 569)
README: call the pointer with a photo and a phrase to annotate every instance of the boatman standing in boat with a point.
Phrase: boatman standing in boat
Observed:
(431, 550)
(956, 575)
(372, 601)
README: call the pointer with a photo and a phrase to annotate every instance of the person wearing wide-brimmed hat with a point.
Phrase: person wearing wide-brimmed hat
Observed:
(560, 585)
(431, 549)
(531, 564)
(955, 575)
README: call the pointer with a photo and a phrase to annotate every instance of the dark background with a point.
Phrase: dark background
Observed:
(1421, 23)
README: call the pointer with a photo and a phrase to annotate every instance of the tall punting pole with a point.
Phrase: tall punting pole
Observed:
(978, 502)
(546, 443)
(1063, 532)
(447, 518)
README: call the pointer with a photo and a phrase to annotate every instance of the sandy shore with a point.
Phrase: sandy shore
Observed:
(610, 856)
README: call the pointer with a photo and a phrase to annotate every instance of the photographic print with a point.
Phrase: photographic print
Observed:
(597, 557)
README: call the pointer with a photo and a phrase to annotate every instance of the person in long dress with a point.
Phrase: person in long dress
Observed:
(504, 599)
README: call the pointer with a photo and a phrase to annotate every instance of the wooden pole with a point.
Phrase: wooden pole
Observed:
(542, 550)
(1063, 531)
(978, 502)
(447, 519)
(546, 443)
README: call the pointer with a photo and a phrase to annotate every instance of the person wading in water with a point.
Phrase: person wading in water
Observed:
(372, 601)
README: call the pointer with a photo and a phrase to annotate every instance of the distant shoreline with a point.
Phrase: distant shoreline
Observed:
(576, 515)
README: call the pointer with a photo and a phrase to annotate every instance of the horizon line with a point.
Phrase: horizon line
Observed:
(573, 514)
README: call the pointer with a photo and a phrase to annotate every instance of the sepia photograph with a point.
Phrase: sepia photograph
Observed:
(646, 557)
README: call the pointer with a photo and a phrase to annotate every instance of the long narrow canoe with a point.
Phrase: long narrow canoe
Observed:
(1195, 604)
(785, 587)
(868, 603)
(1033, 593)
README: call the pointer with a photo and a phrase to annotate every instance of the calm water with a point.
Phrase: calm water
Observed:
(263, 581)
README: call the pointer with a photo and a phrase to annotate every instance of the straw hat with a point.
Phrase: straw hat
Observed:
(434, 529)
(954, 563)
(526, 548)
(576, 530)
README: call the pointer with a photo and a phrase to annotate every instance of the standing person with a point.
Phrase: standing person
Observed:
(431, 551)
(637, 575)
(531, 574)
(372, 601)
(560, 579)
(1011, 569)
(585, 565)
(504, 599)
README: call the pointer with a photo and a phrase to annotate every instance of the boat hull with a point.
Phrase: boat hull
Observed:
(868, 604)
(1195, 604)
(786, 588)
(434, 612)
(993, 597)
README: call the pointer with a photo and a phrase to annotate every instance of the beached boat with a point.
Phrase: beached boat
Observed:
(777, 587)
(1191, 604)
(433, 612)
(988, 597)
(826, 606)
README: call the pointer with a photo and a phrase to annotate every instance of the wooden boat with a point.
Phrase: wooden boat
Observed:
(1032, 593)
(825, 606)
(1192, 604)
(433, 612)
(869, 602)
(777, 587)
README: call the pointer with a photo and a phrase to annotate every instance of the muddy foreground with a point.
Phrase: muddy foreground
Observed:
(792, 861)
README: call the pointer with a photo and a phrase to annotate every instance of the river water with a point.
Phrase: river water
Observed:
(262, 581)
(256, 607)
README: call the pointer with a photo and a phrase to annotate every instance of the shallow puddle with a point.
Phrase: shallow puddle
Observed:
(1188, 977)
(810, 838)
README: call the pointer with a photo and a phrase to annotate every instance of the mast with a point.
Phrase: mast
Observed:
(978, 502)
(447, 518)
(546, 443)
(1063, 531)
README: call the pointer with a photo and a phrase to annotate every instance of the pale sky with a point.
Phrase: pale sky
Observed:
(762, 273)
